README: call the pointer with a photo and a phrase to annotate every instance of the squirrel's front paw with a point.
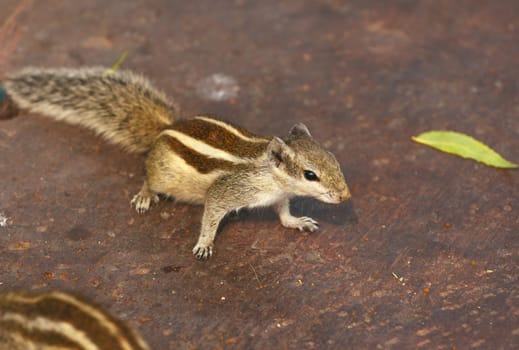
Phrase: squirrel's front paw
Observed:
(202, 252)
(303, 223)
(142, 202)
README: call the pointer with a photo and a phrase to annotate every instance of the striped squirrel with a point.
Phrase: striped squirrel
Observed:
(203, 160)
(58, 320)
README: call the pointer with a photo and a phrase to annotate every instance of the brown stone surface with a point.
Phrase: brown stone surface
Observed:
(426, 254)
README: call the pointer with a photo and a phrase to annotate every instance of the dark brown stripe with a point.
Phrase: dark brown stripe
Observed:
(221, 138)
(200, 162)
(60, 310)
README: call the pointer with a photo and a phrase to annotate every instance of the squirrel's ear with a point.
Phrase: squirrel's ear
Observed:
(300, 130)
(278, 151)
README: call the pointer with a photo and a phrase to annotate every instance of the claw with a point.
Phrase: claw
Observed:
(308, 224)
(303, 223)
(202, 253)
(142, 203)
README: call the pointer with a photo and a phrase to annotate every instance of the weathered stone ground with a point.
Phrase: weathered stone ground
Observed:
(426, 254)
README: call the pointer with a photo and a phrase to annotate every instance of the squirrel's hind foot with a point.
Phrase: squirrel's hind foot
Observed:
(142, 200)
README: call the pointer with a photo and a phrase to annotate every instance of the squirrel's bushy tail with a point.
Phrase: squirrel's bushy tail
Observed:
(7, 107)
(121, 106)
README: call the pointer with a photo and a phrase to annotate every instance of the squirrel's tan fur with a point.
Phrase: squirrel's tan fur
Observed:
(202, 160)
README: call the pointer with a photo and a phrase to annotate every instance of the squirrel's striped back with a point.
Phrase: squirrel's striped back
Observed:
(58, 320)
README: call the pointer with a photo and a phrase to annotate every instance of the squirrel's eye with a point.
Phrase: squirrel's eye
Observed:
(310, 175)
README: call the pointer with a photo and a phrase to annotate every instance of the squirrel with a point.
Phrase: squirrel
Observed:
(59, 320)
(202, 160)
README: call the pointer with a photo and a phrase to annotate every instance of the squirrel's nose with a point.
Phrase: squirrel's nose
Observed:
(345, 194)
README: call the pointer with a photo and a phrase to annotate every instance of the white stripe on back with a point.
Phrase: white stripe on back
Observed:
(202, 147)
(230, 128)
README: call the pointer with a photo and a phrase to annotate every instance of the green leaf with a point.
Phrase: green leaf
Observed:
(464, 146)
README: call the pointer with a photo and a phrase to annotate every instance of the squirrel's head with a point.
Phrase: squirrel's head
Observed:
(307, 169)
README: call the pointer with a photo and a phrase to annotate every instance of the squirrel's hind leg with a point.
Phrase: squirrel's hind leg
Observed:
(142, 200)
(157, 179)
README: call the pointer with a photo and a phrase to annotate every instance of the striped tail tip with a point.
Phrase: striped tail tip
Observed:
(8, 108)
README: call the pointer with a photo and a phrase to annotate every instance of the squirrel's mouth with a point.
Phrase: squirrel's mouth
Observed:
(329, 197)
(333, 197)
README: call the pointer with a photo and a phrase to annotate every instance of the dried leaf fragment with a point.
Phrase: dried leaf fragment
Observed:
(463, 146)
(117, 64)
(97, 42)
(20, 245)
